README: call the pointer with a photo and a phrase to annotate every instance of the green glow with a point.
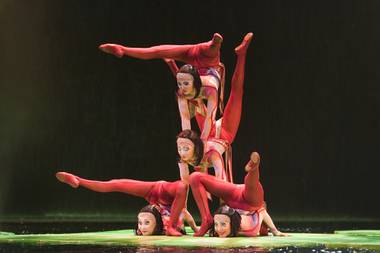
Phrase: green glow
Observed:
(369, 239)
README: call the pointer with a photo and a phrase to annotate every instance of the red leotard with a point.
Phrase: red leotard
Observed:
(160, 193)
(204, 56)
(248, 197)
(254, 230)
(225, 134)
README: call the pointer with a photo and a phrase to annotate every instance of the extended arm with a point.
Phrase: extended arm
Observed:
(212, 103)
(269, 222)
(189, 220)
(218, 164)
(184, 111)
(184, 172)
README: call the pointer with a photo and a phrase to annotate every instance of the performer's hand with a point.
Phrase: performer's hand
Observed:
(195, 229)
(278, 233)
(190, 220)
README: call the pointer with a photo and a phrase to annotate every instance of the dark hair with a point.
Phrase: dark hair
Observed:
(198, 144)
(159, 229)
(234, 217)
(190, 69)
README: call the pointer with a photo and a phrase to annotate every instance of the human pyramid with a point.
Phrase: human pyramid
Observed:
(243, 211)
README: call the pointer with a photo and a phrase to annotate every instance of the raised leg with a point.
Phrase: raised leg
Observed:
(129, 186)
(253, 190)
(204, 54)
(232, 111)
(201, 182)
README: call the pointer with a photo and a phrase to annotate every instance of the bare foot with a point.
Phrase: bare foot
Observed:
(211, 48)
(253, 162)
(242, 48)
(217, 40)
(67, 178)
(173, 232)
(168, 60)
(205, 226)
(114, 49)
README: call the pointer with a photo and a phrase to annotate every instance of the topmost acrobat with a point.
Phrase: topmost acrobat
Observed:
(197, 81)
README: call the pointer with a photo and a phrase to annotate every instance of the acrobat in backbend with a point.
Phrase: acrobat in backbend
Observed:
(165, 212)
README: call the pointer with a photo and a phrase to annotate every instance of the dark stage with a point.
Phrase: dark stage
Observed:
(311, 102)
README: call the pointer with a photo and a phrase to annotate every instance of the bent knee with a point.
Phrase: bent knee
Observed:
(195, 177)
(182, 186)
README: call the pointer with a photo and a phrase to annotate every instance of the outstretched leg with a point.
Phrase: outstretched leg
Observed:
(200, 183)
(253, 191)
(129, 186)
(178, 191)
(232, 111)
(204, 54)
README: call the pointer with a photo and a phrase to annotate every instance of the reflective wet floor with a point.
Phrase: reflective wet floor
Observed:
(70, 227)
(77, 227)
(98, 249)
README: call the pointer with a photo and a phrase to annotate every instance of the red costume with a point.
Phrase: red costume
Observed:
(201, 55)
(248, 196)
(257, 228)
(168, 196)
(204, 56)
(224, 130)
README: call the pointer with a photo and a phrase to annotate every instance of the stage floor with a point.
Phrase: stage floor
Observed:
(359, 239)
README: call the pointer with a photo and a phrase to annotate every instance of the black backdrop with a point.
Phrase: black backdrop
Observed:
(311, 104)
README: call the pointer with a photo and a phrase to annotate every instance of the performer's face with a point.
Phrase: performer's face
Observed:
(185, 149)
(222, 225)
(185, 84)
(146, 223)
